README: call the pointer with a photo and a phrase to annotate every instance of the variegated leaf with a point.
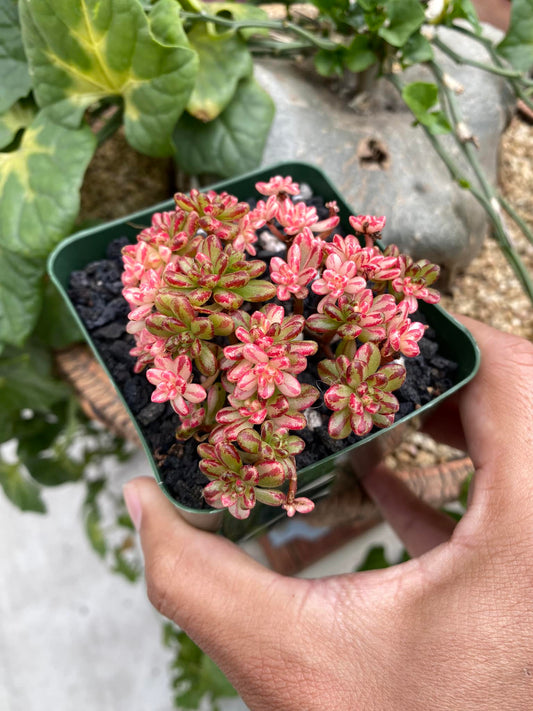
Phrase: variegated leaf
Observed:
(223, 61)
(231, 144)
(12, 121)
(82, 51)
(39, 186)
(16, 82)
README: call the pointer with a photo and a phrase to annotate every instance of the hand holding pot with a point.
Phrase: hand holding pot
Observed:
(450, 629)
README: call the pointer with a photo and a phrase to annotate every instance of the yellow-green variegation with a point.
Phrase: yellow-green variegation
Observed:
(82, 51)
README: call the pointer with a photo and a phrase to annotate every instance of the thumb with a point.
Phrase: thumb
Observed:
(202, 581)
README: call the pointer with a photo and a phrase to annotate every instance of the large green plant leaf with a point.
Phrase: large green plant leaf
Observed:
(25, 381)
(56, 326)
(11, 121)
(517, 45)
(224, 61)
(19, 489)
(6, 426)
(16, 81)
(20, 295)
(39, 186)
(405, 17)
(81, 51)
(234, 142)
(359, 55)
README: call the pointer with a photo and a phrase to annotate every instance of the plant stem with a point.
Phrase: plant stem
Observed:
(110, 127)
(276, 48)
(493, 69)
(486, 197)
(298, 306)
(489, 46)
(470, 152)
(513, 214)
(279, 25)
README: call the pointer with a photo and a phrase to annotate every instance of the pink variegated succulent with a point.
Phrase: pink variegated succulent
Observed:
(338, 278)
(278, 186)
(235, 485)
(294, 217)
(172, 378)
(232, 365)
(218, 275)
(270, 356)
(360, 393)
(402, 334)
(367, 224)
(414, 281)
(217, 214)
(304, 256)
(362, 316)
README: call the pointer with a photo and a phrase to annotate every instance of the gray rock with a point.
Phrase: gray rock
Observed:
(427, 214)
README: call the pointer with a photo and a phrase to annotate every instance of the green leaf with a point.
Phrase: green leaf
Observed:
(94, 488)
(517, 45)
(376, 559)
(6, 426)
(460, 10)
(11, 121)
(330, 6)
(231, 144)
(44, 443)
(195, 675)
(23, 492)
(465, 489)
(405, 17)
(359, 55)
(130, 570)
(224, 61)
(25, 382)
(240, 12)
(420, 97)
(21, 287)
(16, 82)
(417, 49)
(85, 50)
(56, 325)
(95, 533)
(329, 63)
(37, 433)
(367, 5)
(39, 186)
(52, 469)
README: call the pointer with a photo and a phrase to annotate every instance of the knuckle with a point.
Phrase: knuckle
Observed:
(160, 584)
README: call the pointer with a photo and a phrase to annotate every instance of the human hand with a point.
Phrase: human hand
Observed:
(451, 629)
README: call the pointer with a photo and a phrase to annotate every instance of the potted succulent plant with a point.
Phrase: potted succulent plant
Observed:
(250, 320)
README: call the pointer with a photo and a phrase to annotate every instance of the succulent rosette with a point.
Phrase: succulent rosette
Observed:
(361, 391)
(232, 363)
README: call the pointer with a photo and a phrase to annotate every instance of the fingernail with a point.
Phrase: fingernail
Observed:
(133, 504)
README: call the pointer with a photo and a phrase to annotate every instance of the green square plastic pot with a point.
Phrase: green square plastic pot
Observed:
(455, 343)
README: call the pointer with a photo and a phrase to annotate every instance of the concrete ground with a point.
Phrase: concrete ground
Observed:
(73, 635)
